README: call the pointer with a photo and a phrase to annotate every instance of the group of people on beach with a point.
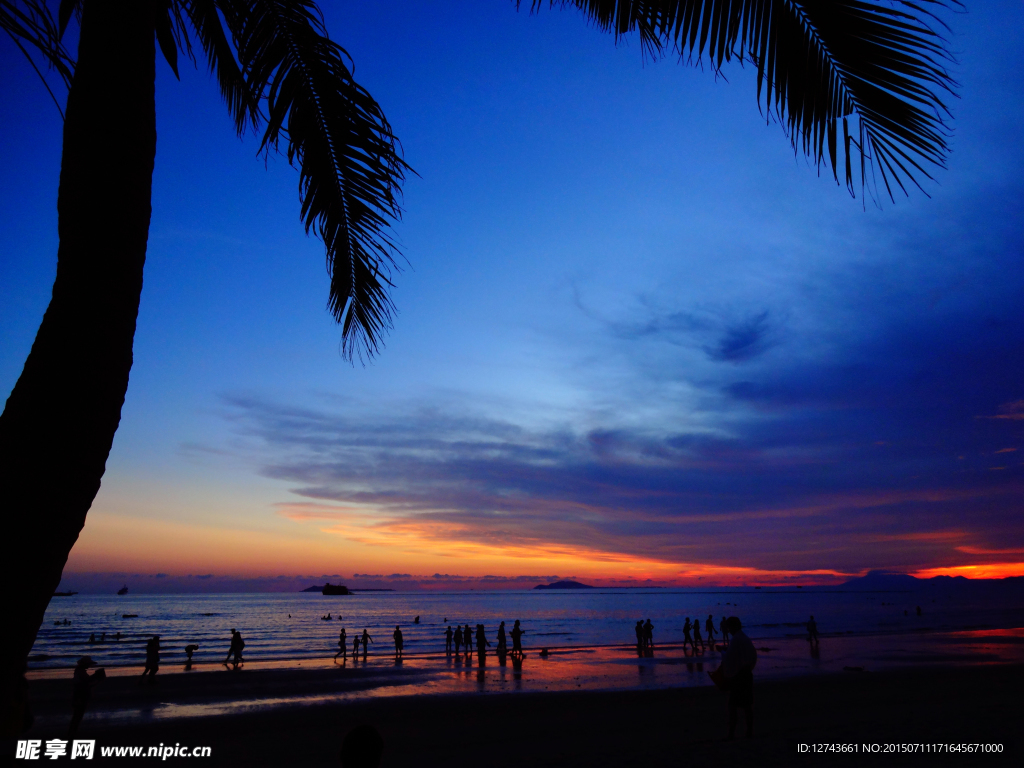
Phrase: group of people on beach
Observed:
(644, 637)
(365, 639)
(692, 636)
(455, 640)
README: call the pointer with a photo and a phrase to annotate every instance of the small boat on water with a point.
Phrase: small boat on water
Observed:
(64, 594)
(123, 590)
(129, 615)
(334, 589)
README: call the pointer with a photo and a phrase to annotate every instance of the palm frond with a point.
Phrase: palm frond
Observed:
(350, 165)
(209, 29)
(820, 64)
(30, 21)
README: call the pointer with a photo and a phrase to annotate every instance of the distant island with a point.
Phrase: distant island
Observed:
(564, 585)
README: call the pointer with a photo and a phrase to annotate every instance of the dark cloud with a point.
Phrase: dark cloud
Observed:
(883, 431)
(743, 340)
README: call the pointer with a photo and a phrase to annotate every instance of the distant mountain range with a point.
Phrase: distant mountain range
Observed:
(564, 585)
(890, 581)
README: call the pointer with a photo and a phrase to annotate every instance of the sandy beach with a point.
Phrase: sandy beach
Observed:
(587, 706)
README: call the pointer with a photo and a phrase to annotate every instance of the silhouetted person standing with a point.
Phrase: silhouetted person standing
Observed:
(649, 635)
(686, 635)
(457, 638)
(399, 642)
(639, 636)
(342, 645)
(812, 631)
(481, 640)
(355, 648)
(467, 640)
(502, 641)
(738, 666)
(709, 628)
(448, 641)
(517, 639)
(366, 642)
(82, 691)
(696, 635)
(724, 629)
(362, 748)
(152, 659)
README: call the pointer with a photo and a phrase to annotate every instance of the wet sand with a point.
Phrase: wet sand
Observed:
(615, 728)
(598, 706)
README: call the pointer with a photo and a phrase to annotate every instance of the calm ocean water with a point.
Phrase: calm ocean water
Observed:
(550, 618)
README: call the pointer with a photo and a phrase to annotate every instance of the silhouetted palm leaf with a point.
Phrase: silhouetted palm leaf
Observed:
(819, 64)
(350, 168)
(31, 21)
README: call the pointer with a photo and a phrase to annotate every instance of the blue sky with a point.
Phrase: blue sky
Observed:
(636, 335)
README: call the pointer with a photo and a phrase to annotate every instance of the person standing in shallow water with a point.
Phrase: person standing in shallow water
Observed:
(696, 635)
(467, 640)
(737, 667)
(355, 648)
(366, 642)
(709, 628)
(517, 640)
(686, 635)
(457, 638)
(502, 642)
(342, 645)
(649, 635)
(724, 630)
(448, 641)
(639, 636)
(399, 642)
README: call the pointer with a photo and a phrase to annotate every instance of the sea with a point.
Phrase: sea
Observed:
(113, 629)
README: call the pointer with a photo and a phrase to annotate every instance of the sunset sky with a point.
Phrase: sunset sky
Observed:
(637, 338)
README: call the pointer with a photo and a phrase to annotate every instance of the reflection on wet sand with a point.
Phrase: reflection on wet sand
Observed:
(209, 690)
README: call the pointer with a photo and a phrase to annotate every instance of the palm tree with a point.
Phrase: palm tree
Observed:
(821, 65)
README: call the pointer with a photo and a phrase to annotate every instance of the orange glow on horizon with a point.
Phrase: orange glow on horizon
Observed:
(981, 571)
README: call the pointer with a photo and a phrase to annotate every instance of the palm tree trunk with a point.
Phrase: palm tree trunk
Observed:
(59, 422)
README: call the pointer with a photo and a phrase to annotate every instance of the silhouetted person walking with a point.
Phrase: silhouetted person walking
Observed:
(686, 635)
(399, 642)
(448, 641)
(724, 629)
(696, 636)
(649, 635)
(342, 645)
(517, 639)
(362, 748)
(152, 659)
(366, 642)
(82, 691)
(355, 648)
(235, 649)
(812, 631)
(737, 666)
(709, 628)
(457, 638)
